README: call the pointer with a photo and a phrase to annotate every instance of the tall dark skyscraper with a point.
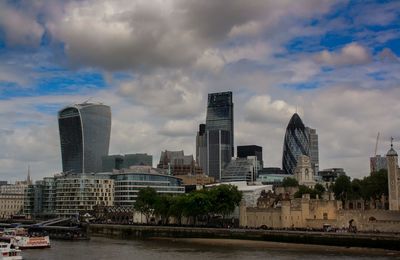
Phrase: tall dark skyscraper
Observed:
(296, 143)
(219, 133)
(201, 148)
(220, 114)
(314, 151)
(250, 150)
(84, 136)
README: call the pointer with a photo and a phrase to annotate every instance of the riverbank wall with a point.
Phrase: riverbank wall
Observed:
(385, 241)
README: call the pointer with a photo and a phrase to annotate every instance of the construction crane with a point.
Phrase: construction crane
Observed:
(376, 145)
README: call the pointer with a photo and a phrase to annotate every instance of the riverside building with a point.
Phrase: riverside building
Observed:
(128, 182)
(77, 193)
(84, 136)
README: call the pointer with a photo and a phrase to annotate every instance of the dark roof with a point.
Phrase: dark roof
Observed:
(391, 152)
(295, 123)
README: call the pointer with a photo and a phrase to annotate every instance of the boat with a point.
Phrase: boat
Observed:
(19, 237)
(9, 253)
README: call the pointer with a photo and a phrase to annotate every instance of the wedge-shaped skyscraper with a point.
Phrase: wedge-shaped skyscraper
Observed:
(84, 136)
(296, 143)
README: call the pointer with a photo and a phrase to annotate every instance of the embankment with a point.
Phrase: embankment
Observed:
(385, 241)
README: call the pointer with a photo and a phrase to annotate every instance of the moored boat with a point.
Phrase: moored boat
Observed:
(21, 239)
(8, 253)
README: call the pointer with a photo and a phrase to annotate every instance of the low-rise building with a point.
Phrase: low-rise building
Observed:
(241, 169)
(177, 163)
(128, 182)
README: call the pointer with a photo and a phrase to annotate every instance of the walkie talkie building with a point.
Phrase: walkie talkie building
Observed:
(296, 143)
(84, 136)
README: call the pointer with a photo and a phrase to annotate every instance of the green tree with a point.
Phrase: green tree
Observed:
(290, 182)
(177, 208)
(224, 198)
(342, 188)
(319, 189)
(356, 189)
(198, 203)
(304, 190)
(145, 202)
(163, 206)
(375, 186)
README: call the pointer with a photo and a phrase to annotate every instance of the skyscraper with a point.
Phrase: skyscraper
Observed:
(220, 114)
(84, 136)
(314, 152)
(296, 143)
(219, 133)
(201, 148)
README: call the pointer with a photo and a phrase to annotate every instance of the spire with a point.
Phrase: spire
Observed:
(391, 152)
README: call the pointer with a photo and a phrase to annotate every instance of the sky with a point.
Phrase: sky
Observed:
(335, 62)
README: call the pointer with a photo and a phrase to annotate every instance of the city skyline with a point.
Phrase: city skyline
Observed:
(337, 61)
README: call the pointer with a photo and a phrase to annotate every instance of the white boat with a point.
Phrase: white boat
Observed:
(8, 253)
(20, 238)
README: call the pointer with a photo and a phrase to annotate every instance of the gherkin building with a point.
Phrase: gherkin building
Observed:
(296, 143)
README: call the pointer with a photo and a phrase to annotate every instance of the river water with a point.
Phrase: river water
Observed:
(100, 248)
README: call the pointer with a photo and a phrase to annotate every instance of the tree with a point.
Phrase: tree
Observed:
(319, 189)
(178, 206)
(224, 199)
(163, 206)
(375, 186)
(304, 190)
(342, 188)
(290, 182)
(197, 204)
(145, 202)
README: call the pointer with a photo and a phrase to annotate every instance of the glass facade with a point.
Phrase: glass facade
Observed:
(84, 136)
(314, 153)
(220, 114)
(127, 185)
(296, 143)
(118, 162)
(218, 152)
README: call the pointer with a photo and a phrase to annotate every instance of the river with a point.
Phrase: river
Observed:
(100, 248)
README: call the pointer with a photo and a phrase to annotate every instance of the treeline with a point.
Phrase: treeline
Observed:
(207, 203)
(372, 187)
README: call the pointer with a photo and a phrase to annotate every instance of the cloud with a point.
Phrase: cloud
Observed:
(175, 128)
(263, 110)
(166, 93)
(21, 28)
(351, 54)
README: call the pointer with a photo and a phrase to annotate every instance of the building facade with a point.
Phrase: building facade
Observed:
(177, 163)
(377, 163)
(118, 162)
(84, 136)
(296, 143)
(218, 152)
(129, 182)
(304, 172)
(12, 198)
(314, 150)
(393, 179)
(201, 148)
(76, 193)
(251, 150)
(220, 115)
(241, 169)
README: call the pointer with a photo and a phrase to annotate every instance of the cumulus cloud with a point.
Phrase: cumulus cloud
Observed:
(351, 54)
(171, 94)
(21, 28)
(264, 110)
(176, 128)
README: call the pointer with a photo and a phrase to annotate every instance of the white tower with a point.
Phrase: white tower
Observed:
(393, 178)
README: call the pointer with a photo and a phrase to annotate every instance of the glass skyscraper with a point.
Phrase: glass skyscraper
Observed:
(296, 143)
(84, 136)
(314, 152)
(219, 133)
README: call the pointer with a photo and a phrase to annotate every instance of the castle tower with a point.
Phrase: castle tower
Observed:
(303, 172)
(393, 179)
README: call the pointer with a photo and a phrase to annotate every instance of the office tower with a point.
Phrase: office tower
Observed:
(219, 133)
(201, 148)
(220, 114)
(314, 153)
(251, 150)
(218, 152)
(84, 136)
(296, 143)
(241, 169)
(377, 163)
